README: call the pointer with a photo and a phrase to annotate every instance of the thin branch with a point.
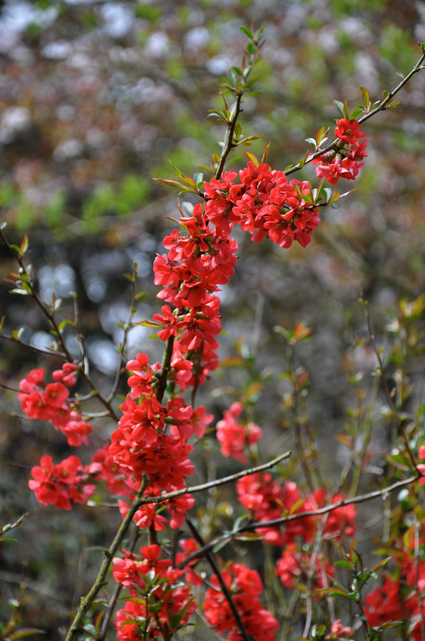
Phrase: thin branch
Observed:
(387, 392)
(214, 567)
(50, 317)
(255, 525)
(161, 382)
(12, 526)
(216, 483)
(381, 107)
(45, 352)
(117, 591)
(127, 328)
(228, 140)
(13, 389)
(87, 601)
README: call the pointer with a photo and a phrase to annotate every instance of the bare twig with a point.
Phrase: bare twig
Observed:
(214, 567)
(388, 394)
(216, 483)
(255, 525)
(51, 319)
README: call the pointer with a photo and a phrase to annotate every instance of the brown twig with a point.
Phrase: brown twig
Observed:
(216, 483)
(214, 567)
(387, 392)
(12, 526)
(255, 525)
(50, 317)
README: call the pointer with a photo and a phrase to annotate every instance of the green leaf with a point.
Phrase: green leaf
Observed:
(64, 323)
(381, 564)
(247, 32)
(198, 177)
(233, 77)
(177, 171)
(169, 182)
(221, 544)
(343, 564)
(253, 158)
(26, 632)
(24, 246)
(339, 105)
(247, 142)
(365, 96)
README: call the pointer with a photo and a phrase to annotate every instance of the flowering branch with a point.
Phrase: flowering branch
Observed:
(207, 486)
(28, 288)
(299, 515)
(87, 601)
(382, 106)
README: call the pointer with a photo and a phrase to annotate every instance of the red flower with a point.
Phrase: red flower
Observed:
(349, 131)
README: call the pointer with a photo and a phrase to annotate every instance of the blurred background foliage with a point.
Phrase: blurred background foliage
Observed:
(95, 99)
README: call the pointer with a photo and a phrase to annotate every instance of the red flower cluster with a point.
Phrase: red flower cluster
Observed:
(166, 604)
(50, 403)
(294, 565)
(397, 598)
(346, 162)
(233, 437)
(267, 499)
(58, 484)
(264, 203)
(246, 587)
(338, 631)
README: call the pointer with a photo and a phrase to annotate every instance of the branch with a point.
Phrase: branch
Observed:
(35, 349)
(214, 567)
(50, 317)
(255, 525)
(11, 526)
(381, 107)
(87, 601)
(161, 383)
(387, 392)
(117, 591)
(216, 483)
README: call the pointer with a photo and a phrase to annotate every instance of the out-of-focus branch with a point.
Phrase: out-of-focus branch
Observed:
(87, 601)
(255, 525)
(214, 567)
(64, 353)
